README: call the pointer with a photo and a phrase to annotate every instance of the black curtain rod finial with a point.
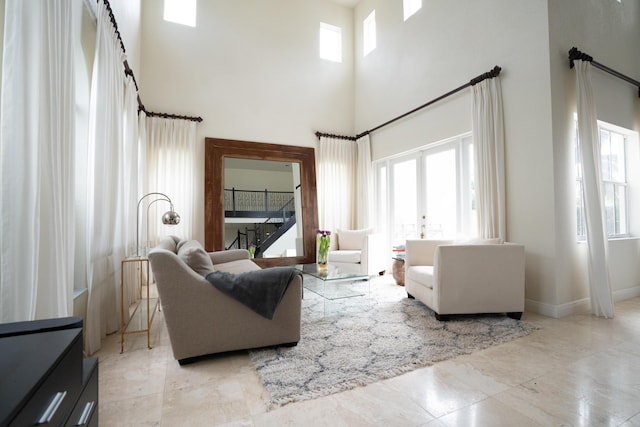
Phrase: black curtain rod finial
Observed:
(495, 72)
(574, 54)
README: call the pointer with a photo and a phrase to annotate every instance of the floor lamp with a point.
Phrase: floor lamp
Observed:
(170, 217)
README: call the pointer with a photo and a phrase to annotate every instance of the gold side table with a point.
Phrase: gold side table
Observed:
(140, 320)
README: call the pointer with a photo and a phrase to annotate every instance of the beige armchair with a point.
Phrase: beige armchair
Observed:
(466, 278)
(361, 251)
(202, 320)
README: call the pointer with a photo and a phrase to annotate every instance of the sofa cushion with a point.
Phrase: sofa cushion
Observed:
(194, 255)
(353, 257)
(237, 266)
(422, 274)
(351, 239)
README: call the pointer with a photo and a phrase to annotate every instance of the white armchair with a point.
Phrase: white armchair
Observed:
(362, 251)
(454, 278)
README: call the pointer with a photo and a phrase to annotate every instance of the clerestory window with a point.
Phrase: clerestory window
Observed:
(369, 33)
(330, 42)
(180, 11)
(410, 7)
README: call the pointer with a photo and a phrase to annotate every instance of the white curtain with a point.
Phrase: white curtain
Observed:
(132, 180)
(336, 184)
(170, 147)
(37, 148)
(364, 183)
(488, 144)
(588, 138)
(111, 183)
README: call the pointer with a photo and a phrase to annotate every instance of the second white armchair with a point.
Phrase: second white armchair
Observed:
(467, 278)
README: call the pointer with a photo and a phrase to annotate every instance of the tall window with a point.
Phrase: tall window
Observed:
(614, 166)
(410, 7)
(369, 32)
(180, 11)
(428, 193)
(330, 42)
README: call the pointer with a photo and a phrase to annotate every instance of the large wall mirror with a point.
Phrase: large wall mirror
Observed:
(262, 196)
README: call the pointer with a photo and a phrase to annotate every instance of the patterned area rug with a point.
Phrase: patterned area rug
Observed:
(365, 339)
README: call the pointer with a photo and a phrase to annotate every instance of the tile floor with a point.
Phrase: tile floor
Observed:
(575, 371)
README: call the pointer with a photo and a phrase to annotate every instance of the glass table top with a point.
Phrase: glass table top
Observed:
(331, 272)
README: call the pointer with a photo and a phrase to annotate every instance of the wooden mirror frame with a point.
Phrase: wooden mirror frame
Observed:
(215, 152)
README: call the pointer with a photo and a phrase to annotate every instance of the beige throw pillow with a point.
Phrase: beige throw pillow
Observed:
(194, 255)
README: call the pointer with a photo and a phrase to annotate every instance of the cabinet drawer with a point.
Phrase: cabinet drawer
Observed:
(85, 413)
(53, 400)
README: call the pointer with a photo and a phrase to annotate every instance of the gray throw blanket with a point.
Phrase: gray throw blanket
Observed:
(260, 290)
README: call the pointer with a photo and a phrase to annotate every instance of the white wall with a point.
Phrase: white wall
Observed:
(251, 70)
(441, 47)
(610, 32)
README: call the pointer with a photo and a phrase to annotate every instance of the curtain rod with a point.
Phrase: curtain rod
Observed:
(574, 54)
(331, 135)
(129, 72)
(494, 72)
(172, 116)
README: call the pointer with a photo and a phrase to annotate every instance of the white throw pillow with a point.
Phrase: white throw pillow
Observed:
(352, 239)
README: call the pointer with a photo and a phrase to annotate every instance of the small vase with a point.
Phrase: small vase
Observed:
(324, 242)
(322, 257)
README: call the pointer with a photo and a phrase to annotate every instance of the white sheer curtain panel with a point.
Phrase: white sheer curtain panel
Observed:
(488, 145)
(108, 184)
(132, 177)
(588, 138)
(365, 183)
(337, 193)
(170, 148)
(37, 148)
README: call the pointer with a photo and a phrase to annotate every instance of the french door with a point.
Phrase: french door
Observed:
(427, 194)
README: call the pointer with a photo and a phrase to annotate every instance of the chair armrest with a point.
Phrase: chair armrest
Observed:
(220, 257)
(422, 252)
(374, 256)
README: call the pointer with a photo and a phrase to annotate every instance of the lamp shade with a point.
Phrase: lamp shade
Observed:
(171, 218)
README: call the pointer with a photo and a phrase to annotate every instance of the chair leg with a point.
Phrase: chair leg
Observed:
(442, 317)
(517, 315)
(410, 296)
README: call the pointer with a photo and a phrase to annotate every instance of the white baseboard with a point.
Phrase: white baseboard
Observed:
(625, 294)
(578, 306)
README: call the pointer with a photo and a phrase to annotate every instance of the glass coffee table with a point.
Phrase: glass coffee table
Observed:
(334, 283)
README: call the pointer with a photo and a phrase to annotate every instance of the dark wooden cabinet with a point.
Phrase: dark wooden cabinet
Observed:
(85, 412)
(44, 380)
